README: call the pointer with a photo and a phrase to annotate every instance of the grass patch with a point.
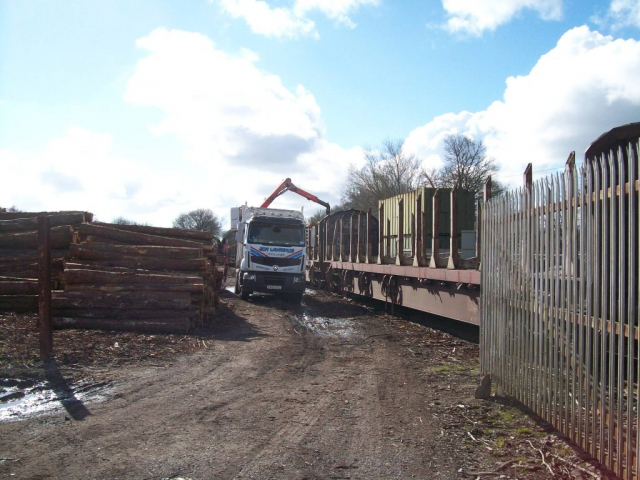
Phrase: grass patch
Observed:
(449, 368)
(506, 416)
(475, 370)
(563, 450)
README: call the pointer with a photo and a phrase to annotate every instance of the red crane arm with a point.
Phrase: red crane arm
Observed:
(283, 187)
(286, 186)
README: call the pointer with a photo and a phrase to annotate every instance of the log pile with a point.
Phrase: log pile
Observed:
(19, 255)
(122, 277)
(131, 277)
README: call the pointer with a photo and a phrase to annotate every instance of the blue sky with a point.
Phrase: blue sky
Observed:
(149, 109)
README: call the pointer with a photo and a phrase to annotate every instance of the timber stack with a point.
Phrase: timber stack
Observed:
(139, 278)
(19, 254)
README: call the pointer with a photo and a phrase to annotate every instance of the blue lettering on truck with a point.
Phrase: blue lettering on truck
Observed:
(277, 249)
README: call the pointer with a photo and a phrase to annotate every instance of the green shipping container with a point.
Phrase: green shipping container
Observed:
(466, 208)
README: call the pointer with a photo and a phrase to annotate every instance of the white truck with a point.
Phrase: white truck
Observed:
(270, 251)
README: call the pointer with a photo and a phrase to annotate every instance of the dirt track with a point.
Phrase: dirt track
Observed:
(331, 389)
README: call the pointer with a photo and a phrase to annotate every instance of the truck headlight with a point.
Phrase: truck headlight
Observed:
(250, 276)
(298, 279)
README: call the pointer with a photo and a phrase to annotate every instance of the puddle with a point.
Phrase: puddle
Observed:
(340, 327)
(20, 399)
(321, 326)
(327, 327)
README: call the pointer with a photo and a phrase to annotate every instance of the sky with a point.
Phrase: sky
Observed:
(148, 109)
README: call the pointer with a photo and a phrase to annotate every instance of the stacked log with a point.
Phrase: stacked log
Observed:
(128, 235)
(19, 254)
(130, 277)
(18, 294)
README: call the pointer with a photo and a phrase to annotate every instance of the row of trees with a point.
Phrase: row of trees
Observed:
(390, 171)
(387, 172)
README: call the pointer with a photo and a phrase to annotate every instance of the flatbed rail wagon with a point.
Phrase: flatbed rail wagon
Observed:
(420, 252)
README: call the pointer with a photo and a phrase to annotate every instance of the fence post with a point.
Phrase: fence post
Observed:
(569, 171)
(487, 189)
(486, 195)
(527, 177)
(44, 298)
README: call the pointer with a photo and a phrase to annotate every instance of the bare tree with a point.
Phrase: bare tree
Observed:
(387, 172)
(317, 216)
(466, 166)
(200, 219)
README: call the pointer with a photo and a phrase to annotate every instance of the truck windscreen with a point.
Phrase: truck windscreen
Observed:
(276, 234)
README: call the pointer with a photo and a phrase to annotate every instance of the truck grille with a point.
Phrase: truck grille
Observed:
(274, 279)
(271, 261)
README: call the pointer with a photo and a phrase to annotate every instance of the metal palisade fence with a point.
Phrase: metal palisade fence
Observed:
(559, 305)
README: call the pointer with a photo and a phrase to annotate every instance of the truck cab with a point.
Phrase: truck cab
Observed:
(270, 251)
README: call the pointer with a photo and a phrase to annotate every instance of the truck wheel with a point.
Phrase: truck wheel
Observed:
(244, 294)
(236, 289)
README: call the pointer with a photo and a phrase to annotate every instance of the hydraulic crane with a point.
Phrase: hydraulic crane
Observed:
(287, 186)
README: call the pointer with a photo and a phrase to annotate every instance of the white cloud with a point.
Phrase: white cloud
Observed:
(237, 122)
(270, 22)
(294, 21)
(240, 132)
(426, 142)
(474, 17)
(337, 10)
(622, 13)
(582, 88)
(79, 171)
(210, 97)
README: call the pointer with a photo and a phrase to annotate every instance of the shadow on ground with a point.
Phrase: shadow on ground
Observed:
(228, 326)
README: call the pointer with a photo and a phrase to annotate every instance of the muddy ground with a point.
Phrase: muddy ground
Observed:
(332, 389)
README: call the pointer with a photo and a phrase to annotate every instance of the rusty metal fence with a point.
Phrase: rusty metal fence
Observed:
(559, 305)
